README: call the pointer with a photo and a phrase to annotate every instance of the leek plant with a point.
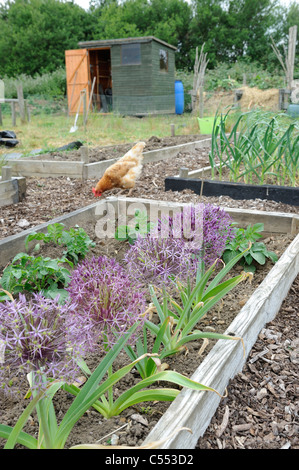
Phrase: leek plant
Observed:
(256, 150)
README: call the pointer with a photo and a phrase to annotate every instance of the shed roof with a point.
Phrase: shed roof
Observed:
(111, 42)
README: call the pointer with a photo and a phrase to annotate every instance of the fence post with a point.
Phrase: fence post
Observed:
(13, 113)
(84, 154)
(21, 102)
(84, 109)
(183, 172)
(27, 110)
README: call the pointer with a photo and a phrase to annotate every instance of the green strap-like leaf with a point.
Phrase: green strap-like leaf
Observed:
(168, 376)
(23, 438)
(14, 435)
(164, 394)
(225, 270)
(86, 397)
(227, 286)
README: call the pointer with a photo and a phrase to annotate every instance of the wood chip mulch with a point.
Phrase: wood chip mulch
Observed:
(261, 409)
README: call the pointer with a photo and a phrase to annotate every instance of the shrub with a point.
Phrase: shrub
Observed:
(48, 85)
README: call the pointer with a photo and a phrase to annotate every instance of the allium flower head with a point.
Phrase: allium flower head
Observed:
(217, 232)
(176, 245)
(214, 225)
(154, 259)
(35, 337)
(108, 301)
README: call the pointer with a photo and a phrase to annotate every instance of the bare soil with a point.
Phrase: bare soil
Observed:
(47, 198)
(262, 405)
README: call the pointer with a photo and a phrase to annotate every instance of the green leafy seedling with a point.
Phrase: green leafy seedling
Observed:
(130, 232)
(258, 251)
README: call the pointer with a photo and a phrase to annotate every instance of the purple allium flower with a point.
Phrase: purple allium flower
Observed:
(108, 301)
(154, 259)
(178, 242)
(35, 337)
(216, 230)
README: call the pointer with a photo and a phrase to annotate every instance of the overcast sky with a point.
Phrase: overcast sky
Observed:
(85, 3)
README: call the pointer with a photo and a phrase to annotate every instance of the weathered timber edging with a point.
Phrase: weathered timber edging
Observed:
(12, 190)
(81, 169)
(274, 222)
(47, 168)
(195, 410)
(191, 409)
(14, 244)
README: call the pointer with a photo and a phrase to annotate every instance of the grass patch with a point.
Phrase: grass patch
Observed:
(51, 131)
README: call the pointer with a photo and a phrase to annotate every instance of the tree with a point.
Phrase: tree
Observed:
(234, 29)
(167, 20)
(35, 34)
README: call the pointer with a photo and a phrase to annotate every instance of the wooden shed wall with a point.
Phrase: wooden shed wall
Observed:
(142, 89)
(163, 82)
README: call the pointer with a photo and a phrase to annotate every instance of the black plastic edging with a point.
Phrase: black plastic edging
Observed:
(283, 194)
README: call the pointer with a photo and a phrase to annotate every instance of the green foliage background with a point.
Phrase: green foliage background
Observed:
(34, 35)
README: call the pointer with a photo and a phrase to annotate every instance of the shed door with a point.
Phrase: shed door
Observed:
(77, 77)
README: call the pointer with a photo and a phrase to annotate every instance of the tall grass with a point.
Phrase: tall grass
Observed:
(48, 85)
(48, 132)
(260, 148)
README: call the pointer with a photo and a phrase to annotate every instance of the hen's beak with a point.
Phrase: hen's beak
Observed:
(96, 193)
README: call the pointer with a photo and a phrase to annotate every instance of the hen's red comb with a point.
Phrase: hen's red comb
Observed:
(95, 193)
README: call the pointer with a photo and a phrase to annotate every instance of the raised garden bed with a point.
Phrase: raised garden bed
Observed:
(12, 190)
(227, 358)
(258, 159)
(198, 182)
(84, 169)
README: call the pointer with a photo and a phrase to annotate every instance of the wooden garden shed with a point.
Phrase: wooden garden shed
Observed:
(131, 76)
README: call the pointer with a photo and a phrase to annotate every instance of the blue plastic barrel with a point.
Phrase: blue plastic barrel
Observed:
(293, 110)
(179, 97)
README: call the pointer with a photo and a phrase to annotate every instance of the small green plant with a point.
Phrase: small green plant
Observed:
(130, 232)
(258, 251)
(36, 274)
(75, 240)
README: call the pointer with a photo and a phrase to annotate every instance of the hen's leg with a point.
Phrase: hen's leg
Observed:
(130, 192)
